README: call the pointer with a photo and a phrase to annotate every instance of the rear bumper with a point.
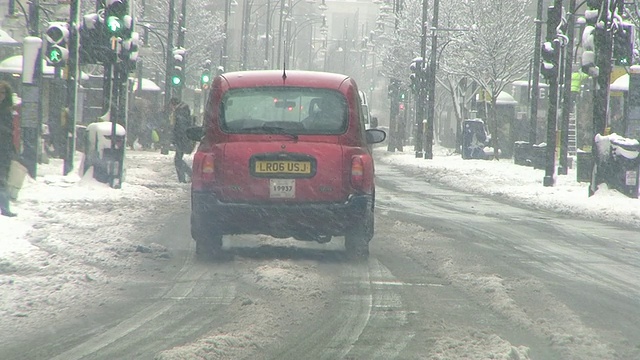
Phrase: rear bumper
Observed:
(303, 221)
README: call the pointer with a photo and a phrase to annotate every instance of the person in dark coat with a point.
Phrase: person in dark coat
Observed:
(7, 148)
(180, 119)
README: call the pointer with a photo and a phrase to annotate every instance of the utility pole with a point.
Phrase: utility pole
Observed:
(169, 62)
(431, 82)
(567, 103)
(72, 85)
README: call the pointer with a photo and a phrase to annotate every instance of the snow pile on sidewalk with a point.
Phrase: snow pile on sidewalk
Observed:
(70, 230)
(515, 183)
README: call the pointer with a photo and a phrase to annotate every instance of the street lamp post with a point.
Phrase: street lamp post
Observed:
(266, 36)
(224, 56)
(292, 36)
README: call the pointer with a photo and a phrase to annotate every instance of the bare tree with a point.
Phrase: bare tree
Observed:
(203, 36)
(398, 38)
(495, 51)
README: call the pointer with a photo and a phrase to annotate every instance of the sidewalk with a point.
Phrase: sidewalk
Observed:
(518, 183)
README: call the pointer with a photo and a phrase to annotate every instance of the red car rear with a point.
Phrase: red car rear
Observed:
(286, 155)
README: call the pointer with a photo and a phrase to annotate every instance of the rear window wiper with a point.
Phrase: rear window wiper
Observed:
(271, 130)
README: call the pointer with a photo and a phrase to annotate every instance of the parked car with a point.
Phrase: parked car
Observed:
(366, 111)
(286, 155)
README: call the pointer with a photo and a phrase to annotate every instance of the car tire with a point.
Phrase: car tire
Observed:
(357, 238)
(208, 242)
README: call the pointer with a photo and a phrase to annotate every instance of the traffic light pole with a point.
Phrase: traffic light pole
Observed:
(393, 91)
(431, 83)
(169, 62)
(535, 86)
(420, 77)
(72, 86)
(567, 103)
(603, 45)
(31, 111)
(553, 20)
(182, 25)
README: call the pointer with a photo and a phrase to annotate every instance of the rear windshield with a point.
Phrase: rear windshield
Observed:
(292, 110)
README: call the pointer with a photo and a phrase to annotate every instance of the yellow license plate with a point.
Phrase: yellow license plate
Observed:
(283, 167)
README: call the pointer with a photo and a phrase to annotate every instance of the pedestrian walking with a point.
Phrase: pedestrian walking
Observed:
(180, 119)
(7, 148)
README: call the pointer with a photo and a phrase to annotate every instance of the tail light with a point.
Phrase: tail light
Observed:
(357, 172)
(203, 170)
(208, 170)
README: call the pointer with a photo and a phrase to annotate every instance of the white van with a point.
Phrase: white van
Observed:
(365, 109)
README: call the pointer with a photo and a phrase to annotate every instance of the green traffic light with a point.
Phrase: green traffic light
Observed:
(114, 24)
(55, 55)
(176, 80)
(205, 78)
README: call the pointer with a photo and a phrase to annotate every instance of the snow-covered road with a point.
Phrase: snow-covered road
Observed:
(90, 271)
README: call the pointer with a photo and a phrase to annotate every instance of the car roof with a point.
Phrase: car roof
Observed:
(243, 79)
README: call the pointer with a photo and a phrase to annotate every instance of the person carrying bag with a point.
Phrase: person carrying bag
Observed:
(181, 120)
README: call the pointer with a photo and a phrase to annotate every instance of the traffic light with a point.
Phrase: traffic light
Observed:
(177, 76)
(129, 48)
(588, 60)
(623, 44)
(550, 52)
(118, 22)
(416, 75)
(205, 77)
(57, 36)
(550, 60)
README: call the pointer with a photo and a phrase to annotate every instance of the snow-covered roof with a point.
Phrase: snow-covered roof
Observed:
(147, 85)
(526, 83)
(6, 39)
(104, 127)
(504, 98)
(13, 65)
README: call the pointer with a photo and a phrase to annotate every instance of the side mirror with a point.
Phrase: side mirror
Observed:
(374, 122)
(195, 133)
(375, 136)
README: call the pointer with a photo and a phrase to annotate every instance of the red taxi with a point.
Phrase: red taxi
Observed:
(284, 154)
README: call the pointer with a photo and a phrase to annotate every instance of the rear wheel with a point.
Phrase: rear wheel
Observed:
(357, 238)
(208, 242)
(209, 246)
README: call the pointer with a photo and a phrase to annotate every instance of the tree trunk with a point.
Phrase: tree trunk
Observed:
(494, 130)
